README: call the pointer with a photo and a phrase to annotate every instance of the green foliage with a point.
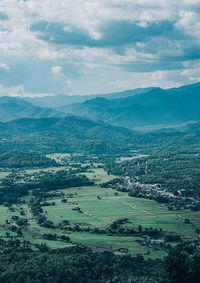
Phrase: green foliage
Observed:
(75, 264)
(18, 159)
(182, 265)
(15, 187)
(70, 134)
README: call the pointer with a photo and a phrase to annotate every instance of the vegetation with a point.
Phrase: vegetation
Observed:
(70, 134)
(18, 159)
(15, 186)
(76, 264)
(182, 265)
(178, 173)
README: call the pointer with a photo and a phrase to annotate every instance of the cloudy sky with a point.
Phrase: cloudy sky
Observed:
(97, 46)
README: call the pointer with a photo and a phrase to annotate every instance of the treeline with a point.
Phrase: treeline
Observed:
(18, 263)
(75, 264)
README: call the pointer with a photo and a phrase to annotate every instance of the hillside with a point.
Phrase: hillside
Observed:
(69, 134)
(154, 107)
(76, 134)
(15, 108)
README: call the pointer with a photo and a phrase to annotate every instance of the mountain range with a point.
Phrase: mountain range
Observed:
(154, 107)
(59, 100)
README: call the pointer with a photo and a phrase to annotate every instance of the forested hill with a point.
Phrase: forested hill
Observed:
(17, 159)
(15, 108)
(69, 134)
(75, 134)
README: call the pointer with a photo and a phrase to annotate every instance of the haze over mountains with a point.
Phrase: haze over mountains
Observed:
(15, 108)
(62, 99)
(131, 108)
(154, 107)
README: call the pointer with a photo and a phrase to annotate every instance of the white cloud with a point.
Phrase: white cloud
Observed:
(189, 23)
(18, 41)
(68, 29)
(4, 66)
(56, 70)
(12, 91)
(69, 82)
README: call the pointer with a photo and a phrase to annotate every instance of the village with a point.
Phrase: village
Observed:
(178, 200)
(156, 192)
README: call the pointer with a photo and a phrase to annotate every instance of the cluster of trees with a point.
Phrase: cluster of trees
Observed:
(55, 237)
(18, 159)
(61, 179)
(10, 194)
(75, 264)
(12, 191)
(19, 263)
(182, 265)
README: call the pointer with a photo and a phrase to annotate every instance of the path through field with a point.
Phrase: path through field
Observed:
(135, 207)
(91, 215)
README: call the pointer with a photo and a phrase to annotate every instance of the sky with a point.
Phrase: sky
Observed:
(97, 46)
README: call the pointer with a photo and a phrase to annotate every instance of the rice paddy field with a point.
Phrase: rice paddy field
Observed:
(99, 207)
(100, 213)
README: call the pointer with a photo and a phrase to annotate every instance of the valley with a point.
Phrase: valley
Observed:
(74, 190)
(99, 141)
(102, 184)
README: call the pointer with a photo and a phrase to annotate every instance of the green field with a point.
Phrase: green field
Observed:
(99, 175)
(129, 158)
(110, 207)
(100, 213)
(4, 174)
(99, 208)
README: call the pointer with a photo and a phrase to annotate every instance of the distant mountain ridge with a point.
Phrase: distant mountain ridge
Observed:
(59, 100)
(15, 108)
(156, 106)
(132, 108)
